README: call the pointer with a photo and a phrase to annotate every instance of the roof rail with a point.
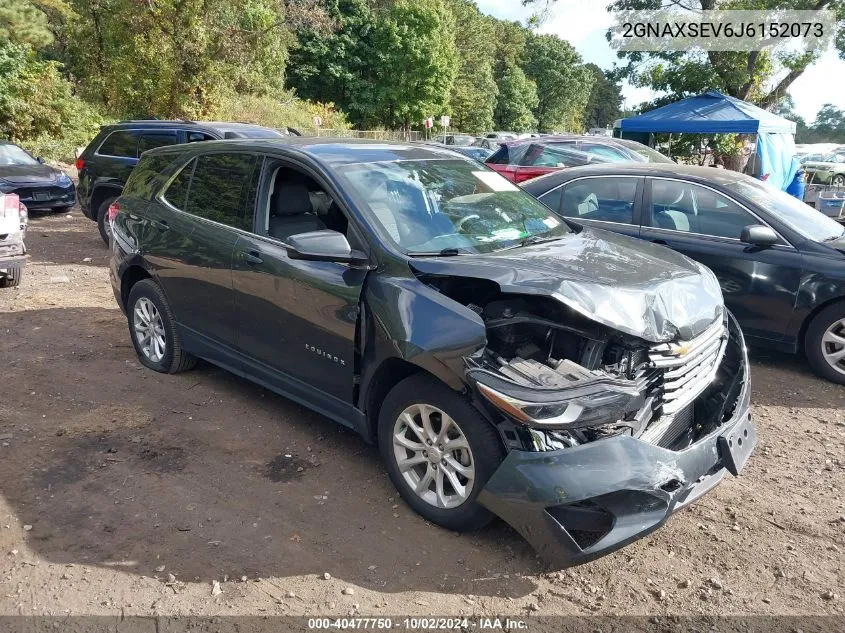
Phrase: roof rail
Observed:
(154, 119)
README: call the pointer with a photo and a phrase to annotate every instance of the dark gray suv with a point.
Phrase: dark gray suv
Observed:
(107, 161)
(579, 384)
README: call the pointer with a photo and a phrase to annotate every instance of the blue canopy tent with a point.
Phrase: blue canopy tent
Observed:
(716, 113)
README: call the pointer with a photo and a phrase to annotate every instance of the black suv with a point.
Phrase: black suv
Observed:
(108, 160)
(579, 384)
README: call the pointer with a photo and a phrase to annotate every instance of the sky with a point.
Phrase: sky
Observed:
(583, 24)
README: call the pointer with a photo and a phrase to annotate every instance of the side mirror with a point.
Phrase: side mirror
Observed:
(40, 160)
(759, 235)
(323, 246)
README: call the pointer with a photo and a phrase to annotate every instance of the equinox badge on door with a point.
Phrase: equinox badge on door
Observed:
(325, 354)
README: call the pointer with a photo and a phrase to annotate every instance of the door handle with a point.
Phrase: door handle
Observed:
(162, 225)
(253, 258)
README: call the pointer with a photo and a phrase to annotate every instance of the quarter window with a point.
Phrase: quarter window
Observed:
(177, 192)
(220, 186)
(122, 143)
(604, 199)
(151, 140)
(552, 199)
(683, 206)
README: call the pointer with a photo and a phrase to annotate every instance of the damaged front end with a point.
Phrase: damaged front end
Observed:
(608, 433)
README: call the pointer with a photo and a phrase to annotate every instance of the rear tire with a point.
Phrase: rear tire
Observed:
(103, 220)
(825, 340)
(480, 459)
(12, 278)
(838, 180)
(152, 329)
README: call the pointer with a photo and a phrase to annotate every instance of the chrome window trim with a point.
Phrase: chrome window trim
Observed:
(575, 219)
(785, 243)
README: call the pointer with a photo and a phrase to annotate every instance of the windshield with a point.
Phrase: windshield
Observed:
(802, 218)
(14, 155)
(444, 206)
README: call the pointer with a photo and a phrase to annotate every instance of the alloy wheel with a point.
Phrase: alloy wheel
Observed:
(433, 456)
(149, 330)
(833, 346)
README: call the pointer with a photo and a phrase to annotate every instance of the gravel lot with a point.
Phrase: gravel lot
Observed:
(126, 491)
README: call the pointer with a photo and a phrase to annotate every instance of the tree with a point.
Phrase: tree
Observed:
(756, 76)
(563, 83)
(474, 91)
(414, 58)
(22, 22)
(517, 101)
(605, 102)
(176, 58)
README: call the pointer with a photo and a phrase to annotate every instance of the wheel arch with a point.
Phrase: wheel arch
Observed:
(100, 194)
(131, 276)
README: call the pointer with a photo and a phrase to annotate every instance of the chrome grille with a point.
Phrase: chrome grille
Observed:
(687, 368)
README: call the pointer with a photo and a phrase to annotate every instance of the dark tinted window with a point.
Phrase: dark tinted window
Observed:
(219, 187)
(499, 157)
(145, 179)
(194, 137)
(552, 198)
(683, 206)
(151, 140)
(177, 192)
(605, 199)
(120, 143)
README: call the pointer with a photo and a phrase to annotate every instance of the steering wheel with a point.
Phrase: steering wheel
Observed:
(459, 227)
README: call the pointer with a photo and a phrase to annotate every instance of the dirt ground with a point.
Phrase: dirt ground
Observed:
(126, 491)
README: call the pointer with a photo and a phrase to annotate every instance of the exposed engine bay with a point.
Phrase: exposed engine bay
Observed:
(562, 380)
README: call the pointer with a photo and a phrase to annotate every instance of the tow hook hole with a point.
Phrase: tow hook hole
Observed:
(671, 486)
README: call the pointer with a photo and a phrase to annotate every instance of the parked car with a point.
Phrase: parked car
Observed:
(614, 150)
(526, 159)
(829, 171)
(13, 223)
(37, 185)
(780, 263)
(487, 143)
(579, 384)
(107, 161)
(479, 154)
(460, 140)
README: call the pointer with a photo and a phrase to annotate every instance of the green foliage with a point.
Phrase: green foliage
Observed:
(563, 83)
(22, 22)
(281, 112)
(176, 58)
(517, 101)
(474, 91)
(604, 105)
(38, 108)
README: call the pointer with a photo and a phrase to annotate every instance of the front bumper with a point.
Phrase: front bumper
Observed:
(579, 503)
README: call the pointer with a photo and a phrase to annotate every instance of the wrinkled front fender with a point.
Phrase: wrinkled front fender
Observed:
(406, 319)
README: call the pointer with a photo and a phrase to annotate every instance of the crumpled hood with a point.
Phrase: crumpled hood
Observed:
(29, 174)
(639, 288)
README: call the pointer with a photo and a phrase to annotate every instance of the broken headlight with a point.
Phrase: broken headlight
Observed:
(601, 401)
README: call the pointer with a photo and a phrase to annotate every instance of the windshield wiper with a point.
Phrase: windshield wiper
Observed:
(534, 239)
(446, 252)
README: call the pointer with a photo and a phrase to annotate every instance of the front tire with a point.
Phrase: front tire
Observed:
(103, 220)
(152, 329)
(838, 180)
(824, 343)
(439, 452)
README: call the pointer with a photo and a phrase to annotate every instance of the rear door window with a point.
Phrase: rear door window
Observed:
(604, 151)
(500, 156)
(608, 199)
(220, 186)
(158, 138)
(120, 143)
(196, 137)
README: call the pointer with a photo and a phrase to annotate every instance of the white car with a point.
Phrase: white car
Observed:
(13, 222)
